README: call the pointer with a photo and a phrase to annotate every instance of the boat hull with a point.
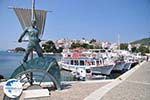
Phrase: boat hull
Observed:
(119, 66)
(103, 70)
(127, 66)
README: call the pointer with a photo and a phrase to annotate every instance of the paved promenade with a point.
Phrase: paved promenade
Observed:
(134, 85)
(71, 90)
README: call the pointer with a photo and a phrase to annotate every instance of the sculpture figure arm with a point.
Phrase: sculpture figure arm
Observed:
(22, 35)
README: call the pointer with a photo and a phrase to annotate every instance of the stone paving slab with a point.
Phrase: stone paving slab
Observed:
(142, 75)
(129, 91)
(135, 87)
(76, 91)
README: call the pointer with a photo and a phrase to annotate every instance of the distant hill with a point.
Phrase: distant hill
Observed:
(145, 41)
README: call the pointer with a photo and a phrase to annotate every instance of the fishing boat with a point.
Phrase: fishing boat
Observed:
(130, 63)
(87, 64)
(119, 66)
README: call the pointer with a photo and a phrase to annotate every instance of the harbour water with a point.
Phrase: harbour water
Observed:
(10, 61)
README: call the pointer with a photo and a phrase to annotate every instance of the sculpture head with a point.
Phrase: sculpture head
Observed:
(33, 23)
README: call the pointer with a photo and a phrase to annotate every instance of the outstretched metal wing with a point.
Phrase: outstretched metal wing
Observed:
(24, 16)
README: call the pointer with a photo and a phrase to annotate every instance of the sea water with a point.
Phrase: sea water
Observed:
(9, 61)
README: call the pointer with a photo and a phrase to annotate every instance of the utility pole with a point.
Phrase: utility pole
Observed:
(119, 41)
(149, 42)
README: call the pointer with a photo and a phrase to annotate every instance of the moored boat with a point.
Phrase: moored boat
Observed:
(89, 66)
(119, 66)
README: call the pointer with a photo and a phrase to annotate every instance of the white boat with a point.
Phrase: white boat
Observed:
(89, 66)
(119, 66)
(127, 66)
(102, 70)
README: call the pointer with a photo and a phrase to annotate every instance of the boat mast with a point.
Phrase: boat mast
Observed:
(119, 41)
(32, 18)
(31, 54)
(33, 10)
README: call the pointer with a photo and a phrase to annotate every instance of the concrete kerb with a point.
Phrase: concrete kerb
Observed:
(97, 81)
(88, 81)
(99, 93)
(128, 73)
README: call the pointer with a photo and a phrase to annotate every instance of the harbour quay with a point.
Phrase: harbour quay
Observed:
(132, 85)
(135, 87)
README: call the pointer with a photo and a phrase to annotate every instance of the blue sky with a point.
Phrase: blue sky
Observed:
(99, 19)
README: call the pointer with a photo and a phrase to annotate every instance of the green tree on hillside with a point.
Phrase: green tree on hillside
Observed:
(124, 46)
(49, 46)
(19, 49)
(75, 45)
(134, 49)
(93, 41)
(84, 45)
(143, 49)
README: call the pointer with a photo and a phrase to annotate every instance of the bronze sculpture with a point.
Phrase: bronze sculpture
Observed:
(34, 40)
(45, 67)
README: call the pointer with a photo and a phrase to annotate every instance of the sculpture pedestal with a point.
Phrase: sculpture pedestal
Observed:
(43, 69)
(35, 94)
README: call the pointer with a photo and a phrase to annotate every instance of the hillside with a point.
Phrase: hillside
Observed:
(145, 41)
